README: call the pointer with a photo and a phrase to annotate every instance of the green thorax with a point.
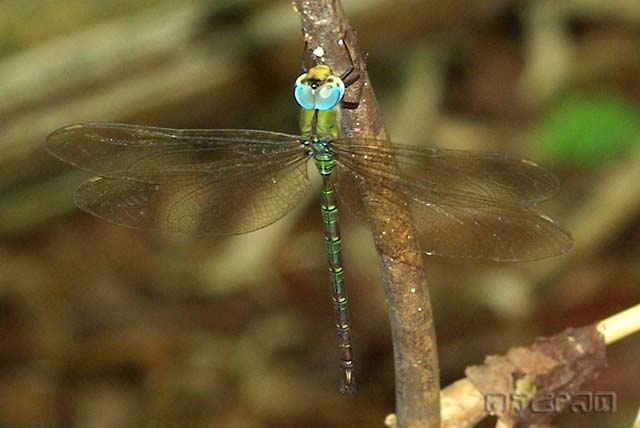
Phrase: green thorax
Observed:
(320, 127)
(322, 124)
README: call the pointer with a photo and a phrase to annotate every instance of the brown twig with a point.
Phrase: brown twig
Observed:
(463, 405)
(410, 314)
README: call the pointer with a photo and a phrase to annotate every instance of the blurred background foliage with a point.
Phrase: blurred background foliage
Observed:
(102, 326)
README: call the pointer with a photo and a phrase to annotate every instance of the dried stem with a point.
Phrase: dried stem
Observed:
(410, 314)
(463, 404)
(620, 325)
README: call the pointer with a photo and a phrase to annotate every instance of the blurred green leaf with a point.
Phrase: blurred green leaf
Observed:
(588, 129)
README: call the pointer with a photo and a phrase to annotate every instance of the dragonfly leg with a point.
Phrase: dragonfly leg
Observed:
(352, 73)
(349, 76)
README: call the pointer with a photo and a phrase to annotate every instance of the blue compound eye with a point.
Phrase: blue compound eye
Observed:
(329, 94)
(304, 94)
(324, 97)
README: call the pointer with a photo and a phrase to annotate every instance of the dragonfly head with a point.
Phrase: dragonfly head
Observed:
(318, 89)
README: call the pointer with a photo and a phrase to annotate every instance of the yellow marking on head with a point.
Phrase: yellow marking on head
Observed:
(319, 73)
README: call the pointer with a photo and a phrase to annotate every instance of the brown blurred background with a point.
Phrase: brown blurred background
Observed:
(105, 327)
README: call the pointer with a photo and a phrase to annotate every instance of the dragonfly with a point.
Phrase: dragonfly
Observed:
(230, 181)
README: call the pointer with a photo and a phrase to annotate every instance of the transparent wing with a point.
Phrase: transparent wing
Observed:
(106, 148)
(196, 181)
(464, 204)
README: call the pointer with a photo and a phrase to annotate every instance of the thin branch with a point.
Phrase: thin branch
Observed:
(463, 405)
(636, 423)
(410, 314)
(620, 325)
